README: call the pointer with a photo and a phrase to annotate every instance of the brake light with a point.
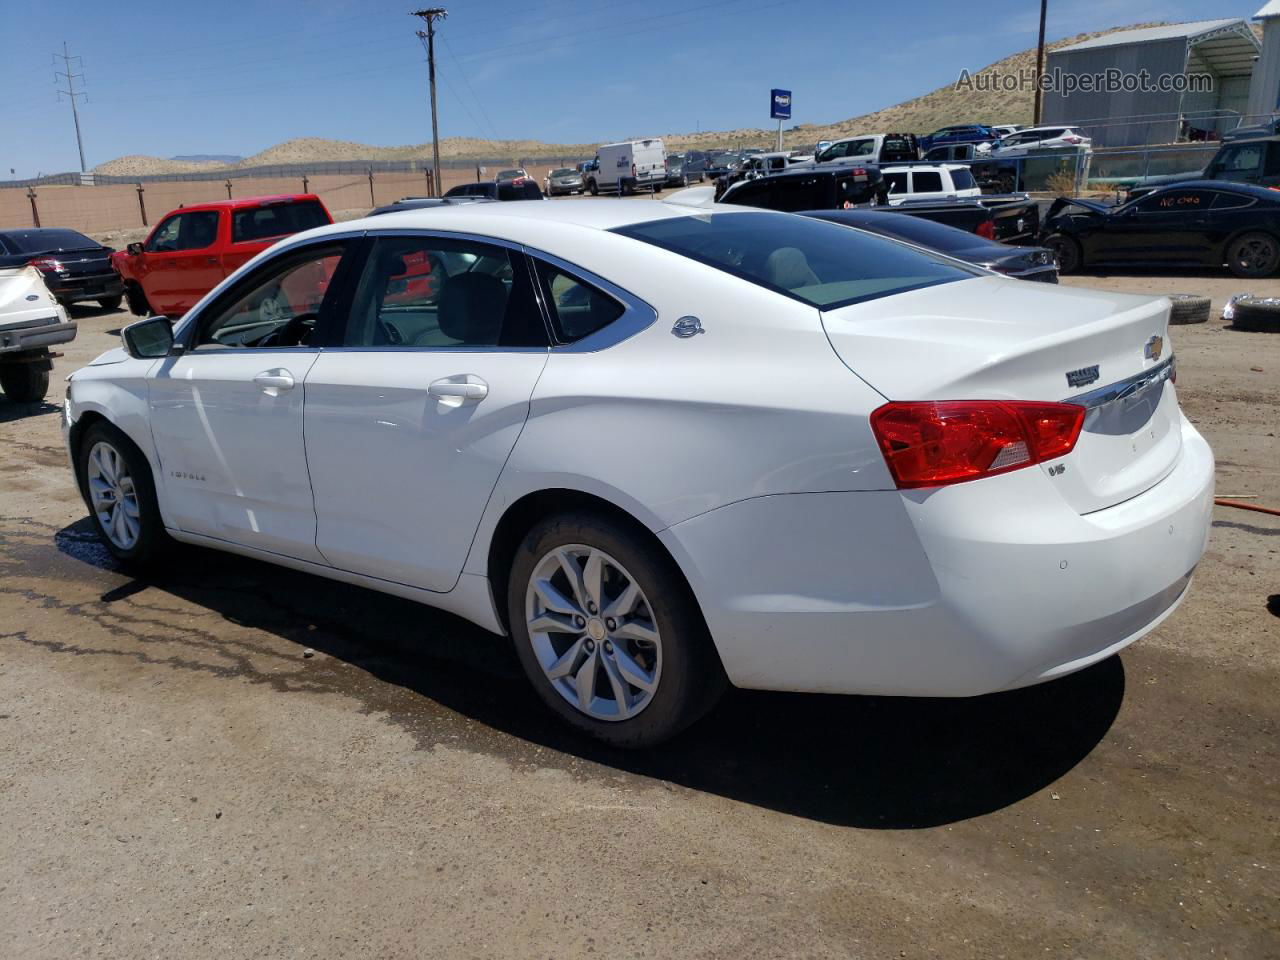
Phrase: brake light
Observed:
(47, 264)
(1074, 139)
(935, 443)
(986, 229)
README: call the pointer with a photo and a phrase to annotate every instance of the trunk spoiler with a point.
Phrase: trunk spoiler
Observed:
(1063, 202)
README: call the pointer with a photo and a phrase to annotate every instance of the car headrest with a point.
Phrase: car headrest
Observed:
(472, 308)
(788, 268)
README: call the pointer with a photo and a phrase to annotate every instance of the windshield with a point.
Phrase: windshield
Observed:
(819, 263)
(48, 241)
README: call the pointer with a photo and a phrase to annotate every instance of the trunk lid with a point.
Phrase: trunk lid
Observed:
(998, 339)
(24, 297)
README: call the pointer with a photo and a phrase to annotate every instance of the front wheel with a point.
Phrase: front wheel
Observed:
(608, 631)
(594, 188)
(116, 481)
(1253, 255)
(1066, 251)
(24, 382)
(137, 300)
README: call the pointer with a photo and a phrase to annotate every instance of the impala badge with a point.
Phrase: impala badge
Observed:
(1082, 377)
(1154, 347)
(687, 327)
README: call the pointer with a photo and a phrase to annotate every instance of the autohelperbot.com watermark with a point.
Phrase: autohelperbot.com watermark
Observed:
(1111, 80)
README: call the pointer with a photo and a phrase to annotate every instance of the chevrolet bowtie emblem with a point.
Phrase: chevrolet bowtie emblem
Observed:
(1153, 349)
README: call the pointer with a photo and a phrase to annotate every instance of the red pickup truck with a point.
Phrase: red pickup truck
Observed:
(193, 248)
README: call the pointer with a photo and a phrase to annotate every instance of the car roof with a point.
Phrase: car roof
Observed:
(241, 202)
(1224, 186)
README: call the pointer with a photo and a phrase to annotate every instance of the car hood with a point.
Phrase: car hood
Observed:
(114, 355)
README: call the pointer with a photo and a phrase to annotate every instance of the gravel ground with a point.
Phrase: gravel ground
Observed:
(179, 777)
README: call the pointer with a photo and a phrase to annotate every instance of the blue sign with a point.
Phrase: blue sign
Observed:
(780, 104)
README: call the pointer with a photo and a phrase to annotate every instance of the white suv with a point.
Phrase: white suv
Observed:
(929, 181)
(1040, 138)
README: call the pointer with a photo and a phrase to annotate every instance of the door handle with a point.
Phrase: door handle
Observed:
(473, 388)
(211, 260)
(273, 381)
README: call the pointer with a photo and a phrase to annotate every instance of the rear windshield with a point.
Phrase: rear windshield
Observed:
(47, 241)
(563, 172)
(916, 230)
(819, 263)
(275, 220)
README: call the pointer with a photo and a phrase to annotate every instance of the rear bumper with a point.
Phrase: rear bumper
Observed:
(76, 289)
(34, 334)
(959, 591)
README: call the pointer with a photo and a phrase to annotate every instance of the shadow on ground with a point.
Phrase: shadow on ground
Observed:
(858, 761)
(10, 410)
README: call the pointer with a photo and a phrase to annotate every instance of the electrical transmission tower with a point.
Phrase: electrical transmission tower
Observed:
(428, 38)
(71, 92)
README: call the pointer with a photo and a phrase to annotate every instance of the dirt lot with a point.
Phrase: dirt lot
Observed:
(179, 778)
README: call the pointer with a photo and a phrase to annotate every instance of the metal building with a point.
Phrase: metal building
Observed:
(1224, 49)
(1264, 94)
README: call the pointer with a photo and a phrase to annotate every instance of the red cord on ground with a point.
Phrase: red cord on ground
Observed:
(1248, 506)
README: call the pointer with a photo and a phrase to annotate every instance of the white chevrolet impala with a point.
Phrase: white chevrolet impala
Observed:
(663, 448)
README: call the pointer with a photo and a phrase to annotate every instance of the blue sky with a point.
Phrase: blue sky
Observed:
(235, 76)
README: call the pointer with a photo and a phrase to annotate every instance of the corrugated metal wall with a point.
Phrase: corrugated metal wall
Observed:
(1092, 110)
(1264, 94)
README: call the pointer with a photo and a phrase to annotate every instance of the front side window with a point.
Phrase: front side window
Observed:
(277, 306)
(446, 294)
(818, 263)
(963, 180)
(185, 231)
(577, 308)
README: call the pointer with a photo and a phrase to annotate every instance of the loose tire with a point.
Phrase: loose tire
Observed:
(110, 303)
(118, 488)
(24, 382)
(1188, 308)
(1257, 314)
(137, 300)
(1066, 250)
(1253, 255)
(608, 631)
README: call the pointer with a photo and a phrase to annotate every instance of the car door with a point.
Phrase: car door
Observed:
(1168, 225)
(226, 412)
(412, 413)
(180, 262)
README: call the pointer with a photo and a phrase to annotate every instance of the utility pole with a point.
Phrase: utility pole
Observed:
(1044, 6)
(71, 92)
(428, 39)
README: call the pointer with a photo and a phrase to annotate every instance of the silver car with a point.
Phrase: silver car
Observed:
(563, 182)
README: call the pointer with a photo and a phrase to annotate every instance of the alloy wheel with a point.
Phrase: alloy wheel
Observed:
(593, 632)
(1255, 255)
(113, 496)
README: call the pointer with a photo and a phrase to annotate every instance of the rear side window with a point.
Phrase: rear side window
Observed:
(795, 193)
(1230, 201)
(896, 183)
(812, 261)
(275, 220)
(927, 182)
(577, 308)
(963, 180)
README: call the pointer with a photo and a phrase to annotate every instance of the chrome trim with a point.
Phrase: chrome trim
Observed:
(637, 315)
(1123, 388)
(1101, 417)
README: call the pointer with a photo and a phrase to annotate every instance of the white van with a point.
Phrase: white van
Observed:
(626, 167)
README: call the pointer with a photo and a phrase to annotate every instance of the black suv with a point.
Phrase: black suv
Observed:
(832, 186)
(526, 189)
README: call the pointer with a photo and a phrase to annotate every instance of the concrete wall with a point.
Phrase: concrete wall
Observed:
(98, 209)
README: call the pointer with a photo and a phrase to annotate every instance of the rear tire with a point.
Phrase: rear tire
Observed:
(24, 382)
(1188, 308)
(1253, 255)
(115, 478)
(657, 637)
(1257, 314)
(1066, 251)
(110, 303)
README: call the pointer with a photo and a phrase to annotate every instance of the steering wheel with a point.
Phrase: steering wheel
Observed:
(292, 334)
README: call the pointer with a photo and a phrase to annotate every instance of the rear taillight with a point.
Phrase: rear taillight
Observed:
(1074, 139)
(47, 264)
(935, 443)
(986, 229)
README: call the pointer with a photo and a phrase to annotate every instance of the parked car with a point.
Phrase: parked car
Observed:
(878, 148)
(994, 175)
(423, 203)
(867, 424)
(1268, 128)
(193, 249)
(512, 176)
(827, 187)
(929, 181)
(761, 165)
(75, 268)
(626, 167)
(960, 133)
(721, 164)
(686, 168)
(1199, 223)
(1022, 263)
(1034, 139)
(1253, 160)
(31, 321)
(563, 182)
(526, 189)
(1006, 129)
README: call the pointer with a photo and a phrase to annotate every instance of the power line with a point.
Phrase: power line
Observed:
(71, 93)
(493, 131)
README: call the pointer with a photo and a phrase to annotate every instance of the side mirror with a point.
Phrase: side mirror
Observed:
(148, 339)
(134, 248)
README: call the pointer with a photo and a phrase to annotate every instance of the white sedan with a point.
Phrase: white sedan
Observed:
(663, 448)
